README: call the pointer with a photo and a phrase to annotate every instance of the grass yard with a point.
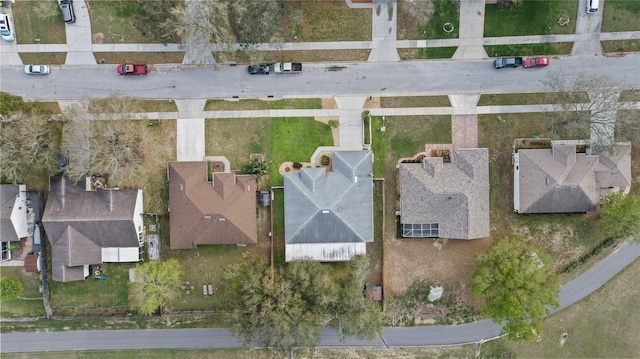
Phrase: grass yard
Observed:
(520, 99)
(112, 22)
(414, 101)
(560, 48)
(425, 19)
(567, 236)
(139, 57)
(605, 324)
(256, 104)
(295, 139)
(49, 58)
(534, 17)
(428, 53)
(32, 305)
(620, 46)
(92, 296)
(311, 55)
(237, 138)
(333, 20)
(40, 20)
(620, 15)
(158, 105)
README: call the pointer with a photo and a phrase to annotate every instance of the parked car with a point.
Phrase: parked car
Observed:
(287, 68)
(507, 62)
(6, 27)
(262, 69)
(36, 69)
(132, 69)
(536, 61)
(68, 15)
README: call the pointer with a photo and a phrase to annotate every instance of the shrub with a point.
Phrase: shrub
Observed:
(10, 288)
(333, 123)
(325, 160)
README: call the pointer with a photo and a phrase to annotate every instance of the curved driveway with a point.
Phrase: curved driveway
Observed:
(392, 337)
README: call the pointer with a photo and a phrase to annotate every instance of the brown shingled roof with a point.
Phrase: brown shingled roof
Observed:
(219, 212)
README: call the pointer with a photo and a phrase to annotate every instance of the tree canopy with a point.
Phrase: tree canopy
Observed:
(518, 284)
(288, 308)
(157, 283)
(620, 216)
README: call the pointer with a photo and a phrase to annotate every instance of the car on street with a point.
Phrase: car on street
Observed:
(536, 61)
(132, 69)
(36, 69)
(507, 62)
(262, 69)
(6, 27)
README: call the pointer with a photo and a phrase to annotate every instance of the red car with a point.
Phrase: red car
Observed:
(536, 61)
(132, 69)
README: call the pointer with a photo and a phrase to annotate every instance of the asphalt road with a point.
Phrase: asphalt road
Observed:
(222, 338)
(318, 79)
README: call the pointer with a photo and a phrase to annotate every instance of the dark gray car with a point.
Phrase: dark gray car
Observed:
(67, 11)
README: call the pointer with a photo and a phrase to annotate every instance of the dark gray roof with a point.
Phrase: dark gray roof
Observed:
(455, 195)
(80, 223)
(331, 206)
(8, 194)
(557, 180)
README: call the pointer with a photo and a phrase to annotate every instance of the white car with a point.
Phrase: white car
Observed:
(6, 27)
(36, 70)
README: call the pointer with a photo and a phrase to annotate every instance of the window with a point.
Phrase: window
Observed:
(421, 230)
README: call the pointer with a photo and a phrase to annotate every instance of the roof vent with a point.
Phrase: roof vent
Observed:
(207, 217)
(181, 187)
(325, 211)
(222, 219)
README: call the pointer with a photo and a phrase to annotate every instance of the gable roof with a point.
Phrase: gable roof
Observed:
(80, 223)
(219, 212)
(614, 169)
(13, 213)
(455, 195)
(331, 206)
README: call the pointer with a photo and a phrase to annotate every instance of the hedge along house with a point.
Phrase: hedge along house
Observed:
(220, 211)
(560, 179)
(328, 215)
(13, 217)
(446, 200)
(87, 225)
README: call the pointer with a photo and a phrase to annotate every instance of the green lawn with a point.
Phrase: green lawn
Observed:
(30, 307)
(112, 22)
(256, 104)
(425, 19)
(414, 101)
(620, 15)
(295, 140)
(237, 138)
(31, 28)
(444, 11)
(621, 46)
(331, 20)
(49, 58)
(428, 53)
(534, 17)
(560, 48)
(92, 296)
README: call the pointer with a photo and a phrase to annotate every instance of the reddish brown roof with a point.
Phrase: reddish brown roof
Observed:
(203, 212)
(31, 263)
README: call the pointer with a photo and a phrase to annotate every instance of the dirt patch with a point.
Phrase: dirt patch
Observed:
(411, 14)
(98, 38)
(372, 102)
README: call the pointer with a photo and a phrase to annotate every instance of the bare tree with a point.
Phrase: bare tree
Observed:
(102, 137)
(27, 147)
(589, 105)
(204, 27)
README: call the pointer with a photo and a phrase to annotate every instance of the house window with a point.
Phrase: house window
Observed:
(421, 230)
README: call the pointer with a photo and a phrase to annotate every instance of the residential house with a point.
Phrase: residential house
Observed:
(217, 211)
(441, 199)
(13, 217)
(328, 215)
(88, 225)
(562, 180)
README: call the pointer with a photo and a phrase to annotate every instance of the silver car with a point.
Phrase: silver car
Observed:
(36, 70)
(6, 27)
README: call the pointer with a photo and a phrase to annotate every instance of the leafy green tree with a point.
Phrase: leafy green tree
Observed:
(518, 283)
(157, 284)
(10, 288)
(620, 216)
(288, 308)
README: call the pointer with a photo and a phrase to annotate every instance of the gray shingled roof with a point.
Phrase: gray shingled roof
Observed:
(219, 212)
(80, 223)
(455, 195)
(331, 206)
(557, 180)
(8, 194)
